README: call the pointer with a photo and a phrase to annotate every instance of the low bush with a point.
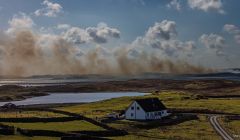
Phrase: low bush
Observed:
(30, 133)
(35, 119)
(82, 137)
(7, 130)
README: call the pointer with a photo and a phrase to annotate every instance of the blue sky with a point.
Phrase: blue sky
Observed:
(133, 18)
(130, 16)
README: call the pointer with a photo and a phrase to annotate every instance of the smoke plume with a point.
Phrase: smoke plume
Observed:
(27, 53)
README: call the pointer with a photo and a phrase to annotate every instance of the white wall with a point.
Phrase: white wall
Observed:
(156, 115)
(165, 113)
(135, 112)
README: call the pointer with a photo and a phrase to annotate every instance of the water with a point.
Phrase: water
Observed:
(46, 81)
(54, 98)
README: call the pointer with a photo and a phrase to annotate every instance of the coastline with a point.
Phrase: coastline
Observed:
(205, 88)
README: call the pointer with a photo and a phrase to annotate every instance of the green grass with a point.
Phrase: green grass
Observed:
(170, 99)
(58, 126)
(101, 108)
(224, 105)
(25, 114)
(190, 130)
(232, 126)
(184, 100)
(19, 137)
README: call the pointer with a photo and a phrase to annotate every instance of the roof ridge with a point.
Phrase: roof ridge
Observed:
(151, 104)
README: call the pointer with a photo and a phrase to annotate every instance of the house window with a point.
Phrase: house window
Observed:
(138, 108)
(132, 114)
(132, 108)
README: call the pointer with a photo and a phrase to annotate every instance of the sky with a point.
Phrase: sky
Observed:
(200, 32)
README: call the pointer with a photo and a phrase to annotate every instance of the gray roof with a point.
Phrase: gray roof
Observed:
(151, 104)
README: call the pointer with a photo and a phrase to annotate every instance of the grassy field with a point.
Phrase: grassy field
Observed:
(191, 130)
(13, 92)
(19, 137)
(232, 126)
(172, 99)
(58, 126)
(26, 114)
(196, 129)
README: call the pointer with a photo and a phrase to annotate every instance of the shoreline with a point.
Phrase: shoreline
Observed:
(205, 88)
(74, 98)
(21, 97)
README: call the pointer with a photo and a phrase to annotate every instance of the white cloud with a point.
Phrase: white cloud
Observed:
(213, 42)
(50, 10)
(164, 30)
(237, 39)
(234, 30)
(76, 35)
(63, 26)
(20, 22)
(163, 36)
(207, 5)
(175, 4)
(46, 30)
(99, 34)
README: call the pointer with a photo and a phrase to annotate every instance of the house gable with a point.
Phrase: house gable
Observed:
(135, 112)
(146, 109)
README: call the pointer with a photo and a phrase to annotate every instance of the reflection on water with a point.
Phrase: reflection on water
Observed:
(74, 98)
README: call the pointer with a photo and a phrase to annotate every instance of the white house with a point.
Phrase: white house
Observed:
(146, 109)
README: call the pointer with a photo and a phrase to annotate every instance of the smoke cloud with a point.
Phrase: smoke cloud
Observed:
(25, 52)
(22, 56)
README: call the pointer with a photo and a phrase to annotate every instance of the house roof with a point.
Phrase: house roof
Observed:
(151, 104)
